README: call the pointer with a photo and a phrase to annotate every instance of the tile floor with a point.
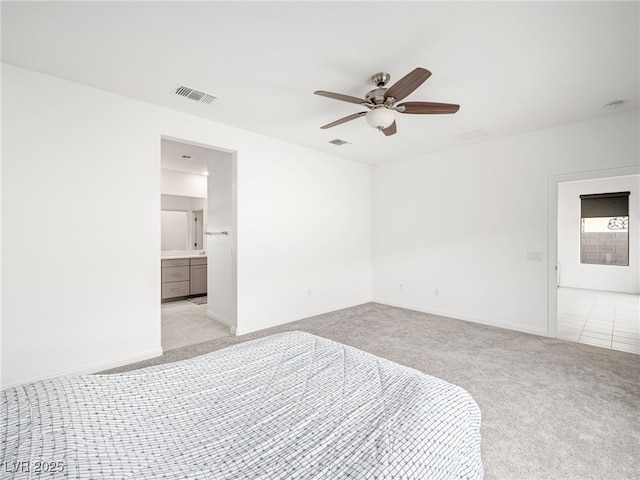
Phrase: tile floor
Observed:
(185, 323)
(604, 319)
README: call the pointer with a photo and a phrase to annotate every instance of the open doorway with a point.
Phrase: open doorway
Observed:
(190, 297)
(198, 230)
(594, 276)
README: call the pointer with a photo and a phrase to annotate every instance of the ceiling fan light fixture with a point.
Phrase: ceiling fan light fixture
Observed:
(380, 117)
(382, 102)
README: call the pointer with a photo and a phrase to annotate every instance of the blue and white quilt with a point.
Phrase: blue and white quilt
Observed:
(288, 406)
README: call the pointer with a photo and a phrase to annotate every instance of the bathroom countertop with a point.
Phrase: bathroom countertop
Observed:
(178, 254)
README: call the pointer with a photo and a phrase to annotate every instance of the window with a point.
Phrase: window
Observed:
(604, 231)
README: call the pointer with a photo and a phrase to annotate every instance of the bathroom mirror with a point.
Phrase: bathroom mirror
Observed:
(174, 230)
(182, 223)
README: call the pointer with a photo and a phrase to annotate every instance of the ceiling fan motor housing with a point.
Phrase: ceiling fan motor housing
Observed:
(376, 96)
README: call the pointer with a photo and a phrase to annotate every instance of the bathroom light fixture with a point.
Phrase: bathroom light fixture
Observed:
(381, 117)
(186, 157)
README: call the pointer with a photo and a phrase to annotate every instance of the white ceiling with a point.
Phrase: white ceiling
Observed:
(512, 66)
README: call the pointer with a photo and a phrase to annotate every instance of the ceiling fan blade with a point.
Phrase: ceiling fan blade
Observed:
(339, 96)
(391, 129)
(343, 120)
(407, 84)
(427, 108)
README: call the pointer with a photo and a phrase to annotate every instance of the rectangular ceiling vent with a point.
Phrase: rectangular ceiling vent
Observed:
(192, 94)
(338, 141)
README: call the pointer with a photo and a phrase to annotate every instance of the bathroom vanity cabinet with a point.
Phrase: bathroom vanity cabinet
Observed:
(197, 276)
(182, 277)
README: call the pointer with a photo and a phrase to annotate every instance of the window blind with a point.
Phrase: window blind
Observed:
(604, 205)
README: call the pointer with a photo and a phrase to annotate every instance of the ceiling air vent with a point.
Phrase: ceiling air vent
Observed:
(338, 141)
(192, 94)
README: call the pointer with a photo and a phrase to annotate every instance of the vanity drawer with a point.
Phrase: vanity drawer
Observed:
(178, 262)
(175, 274)
(199, 261)
(175, 289)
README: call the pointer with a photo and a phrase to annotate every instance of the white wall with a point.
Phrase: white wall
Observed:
(597, 277)
(304, 224)
(76, 165)
(462, 221)
(183, 183)
(180, 203)
(73, 306)
(222, 249)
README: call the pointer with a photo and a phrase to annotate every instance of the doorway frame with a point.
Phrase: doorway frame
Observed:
(197, 235)
(231, 322)
(552, 231)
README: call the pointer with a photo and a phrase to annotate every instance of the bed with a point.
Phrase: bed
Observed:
(287, 406)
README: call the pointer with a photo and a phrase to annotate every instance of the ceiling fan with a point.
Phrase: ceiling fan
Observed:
(382, 102)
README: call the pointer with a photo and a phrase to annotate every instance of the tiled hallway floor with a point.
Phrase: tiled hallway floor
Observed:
(185, 323)
(604, 319)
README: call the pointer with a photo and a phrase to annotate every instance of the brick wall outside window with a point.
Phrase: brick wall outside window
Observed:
(604, 248)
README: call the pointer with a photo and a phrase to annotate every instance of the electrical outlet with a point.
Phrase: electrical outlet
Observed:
(436, 292)
(401, 287)
(309, 293)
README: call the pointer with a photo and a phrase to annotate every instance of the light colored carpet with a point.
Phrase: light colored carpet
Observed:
(551, 409)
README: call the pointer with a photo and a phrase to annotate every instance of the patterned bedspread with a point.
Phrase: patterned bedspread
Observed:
(288, 406)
